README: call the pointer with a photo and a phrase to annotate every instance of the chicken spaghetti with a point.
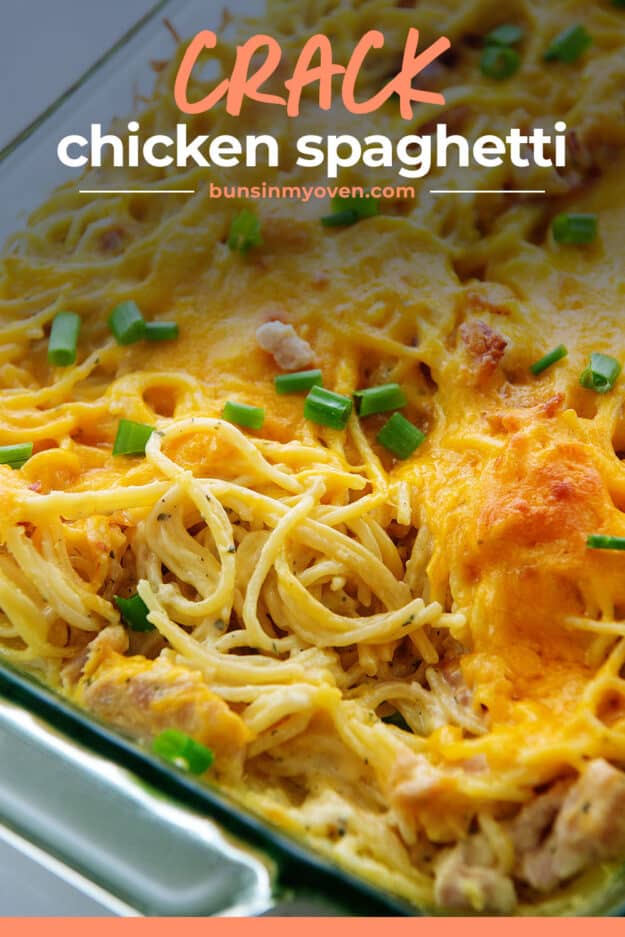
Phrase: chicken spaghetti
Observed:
(337, 493)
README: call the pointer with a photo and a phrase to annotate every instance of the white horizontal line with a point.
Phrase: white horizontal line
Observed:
(137, 191)
(488, 191)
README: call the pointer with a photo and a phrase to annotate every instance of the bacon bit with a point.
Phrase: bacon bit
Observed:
(172, 30)
(36, 486)
(551, 406)
(483, 344)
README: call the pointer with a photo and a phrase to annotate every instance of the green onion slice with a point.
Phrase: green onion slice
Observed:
(126, 323)
(340, 219)
(400, 436)
(499, 62)
(244, 232)
(569, 44)
(181, 750)
(508, 34)
(574, 228)
(135, 613)
(396, 719)
(379, 399)
(327, 408)
(132, 438)
(348, 211)
(161, 331)
(298, 381)
(63, 340)
(17, 455)
(601, 373)
(603, 542)
(543, 363)
(243, 414)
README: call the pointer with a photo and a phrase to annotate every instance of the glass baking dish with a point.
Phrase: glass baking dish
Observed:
(97, 810)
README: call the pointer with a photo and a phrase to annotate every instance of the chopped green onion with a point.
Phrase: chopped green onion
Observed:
(340, 219)
(543, 363)
(183, 751)
(499, 62)
(161, 331)
(574, 228)
(508, 34)
(379, 399)
(348, 211)
(396, 719)
(244, 232)
(603, 542)
(132, 438)
(569, 44)
(135, 613)
(126, 323)
(63, 339)
(601, 373)
(298, 381)
(243, 414)
(327, 408)
(400, 436)
(15, 456)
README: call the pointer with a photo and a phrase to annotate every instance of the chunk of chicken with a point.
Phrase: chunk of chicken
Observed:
(485, 346)
(142, 697)
(426, 796)
(289, 351)
(589, 828)
(536, 818)
(469, 879)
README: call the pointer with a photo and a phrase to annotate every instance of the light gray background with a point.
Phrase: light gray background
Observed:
(45, 45)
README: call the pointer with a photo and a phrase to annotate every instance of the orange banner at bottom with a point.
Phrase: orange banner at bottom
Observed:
(309, 927)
